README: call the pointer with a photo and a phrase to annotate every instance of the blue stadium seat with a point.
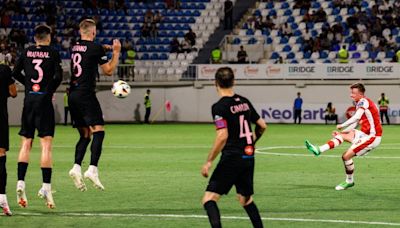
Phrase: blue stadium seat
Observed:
(285, 5)
(249, 32)
(287, 48)
(389, 54)
(356, 55)
(290, 55)
(335, 47)
(310, 61)
(327, 61)
(275, 55)
(352, 47)
(323, 55)
(294, 61)
(236, 40)
(307, 55)
(283, 40)
(252, 41)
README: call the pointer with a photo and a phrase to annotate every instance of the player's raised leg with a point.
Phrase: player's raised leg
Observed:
(80, 150)
(23, 161)
(97, 144)
(338, 138)
(46, 164)
(3, 183)
(349, 168)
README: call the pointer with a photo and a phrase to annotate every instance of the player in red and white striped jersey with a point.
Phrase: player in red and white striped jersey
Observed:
(363, 140)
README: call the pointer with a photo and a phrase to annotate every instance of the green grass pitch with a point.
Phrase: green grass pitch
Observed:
(152, 178)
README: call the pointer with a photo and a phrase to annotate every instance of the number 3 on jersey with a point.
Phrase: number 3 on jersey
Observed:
(37, 67)
(245, 130)
(76, 64)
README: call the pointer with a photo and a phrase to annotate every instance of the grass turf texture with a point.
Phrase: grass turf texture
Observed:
(155, 169)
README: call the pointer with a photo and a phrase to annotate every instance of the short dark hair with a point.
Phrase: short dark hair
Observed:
(224, 77)
(358, 86)
(148, 91)
(41, 31)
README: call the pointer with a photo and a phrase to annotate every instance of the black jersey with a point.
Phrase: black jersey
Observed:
(42, 68)
(85, 58)
(236, 113)
(5, 82)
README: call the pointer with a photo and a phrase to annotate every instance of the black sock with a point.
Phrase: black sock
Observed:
(46, 175)
(213, 213)
(96, 147)
(254, 215)
(3, 174)
(80, 149)
(22, 167)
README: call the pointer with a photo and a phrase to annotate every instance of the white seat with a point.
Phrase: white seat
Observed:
(315, 55)
(170, 71)
(215, 20)
(172, 56)
(161, 71)
(166, 63)
(207, 20)
(189, 57)
(202, 27)
(332, 55)
(213, 13)
(181, 56)
(184, 64)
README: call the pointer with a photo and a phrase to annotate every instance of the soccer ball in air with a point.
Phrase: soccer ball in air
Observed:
(121, 89)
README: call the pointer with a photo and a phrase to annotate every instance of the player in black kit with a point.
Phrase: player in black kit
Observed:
(43, 74)
(7, 89)
(85, 108)
(233, 115)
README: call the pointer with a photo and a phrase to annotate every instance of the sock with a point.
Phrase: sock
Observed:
(254, 215)
(46, 175)
(80, 149)
(3, 174)
(46, 186)
(92, 169)
(96, 147)
(349, 166)
(77, 168)
(22, 167)
(336, 141)
(213, 213)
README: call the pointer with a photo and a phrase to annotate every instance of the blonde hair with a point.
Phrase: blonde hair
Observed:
(86, 26)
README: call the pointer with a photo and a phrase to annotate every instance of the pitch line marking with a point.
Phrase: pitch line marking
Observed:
(204, 217)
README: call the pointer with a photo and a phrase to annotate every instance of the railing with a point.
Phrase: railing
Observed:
(253, 45)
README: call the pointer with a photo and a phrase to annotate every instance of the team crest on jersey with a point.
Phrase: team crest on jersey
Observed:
(249, 150)
(360, 104)
(104, 58)
(36, 87)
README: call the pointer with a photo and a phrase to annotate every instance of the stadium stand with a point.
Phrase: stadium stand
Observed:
(315, 30)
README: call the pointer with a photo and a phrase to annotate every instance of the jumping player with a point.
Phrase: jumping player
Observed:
(363, 140)
(43, 74)
(7, 89)
(233, 115)
(84, 106)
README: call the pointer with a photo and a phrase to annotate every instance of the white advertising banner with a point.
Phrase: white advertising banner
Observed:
(313, 113)
(304, 71)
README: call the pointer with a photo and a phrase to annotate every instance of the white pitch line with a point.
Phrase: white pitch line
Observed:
(204, 217)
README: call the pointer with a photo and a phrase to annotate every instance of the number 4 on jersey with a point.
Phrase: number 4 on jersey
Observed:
(245, 130)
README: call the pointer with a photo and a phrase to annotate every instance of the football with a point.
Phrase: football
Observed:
(121, 89)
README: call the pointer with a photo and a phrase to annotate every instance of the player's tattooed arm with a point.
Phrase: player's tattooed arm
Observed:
(17, 71)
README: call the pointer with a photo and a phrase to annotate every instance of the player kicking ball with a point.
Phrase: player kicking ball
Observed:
(363, 140)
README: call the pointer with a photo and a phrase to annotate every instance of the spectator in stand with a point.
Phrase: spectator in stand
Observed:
(320, 15)
(66, 43)
(153, 30)
(242, 55)
(5, 55)
(356, 36)
(228, 16)
(175, 46)
(186, 47)
(191, 37)
(390, 43)
(145, 33)
(158, 17)
(120, 5)
(268, 23)
(286, 30)
(307, 17)
(279, 60)
(148, 17)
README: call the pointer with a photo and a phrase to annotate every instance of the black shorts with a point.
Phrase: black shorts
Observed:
(38, 113)
(4, 131)
(229, 172)
(85, 109)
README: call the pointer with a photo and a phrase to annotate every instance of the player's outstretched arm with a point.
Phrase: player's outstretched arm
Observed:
(261, 126)
(108, 68)
(354, 119)
(219, 143)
